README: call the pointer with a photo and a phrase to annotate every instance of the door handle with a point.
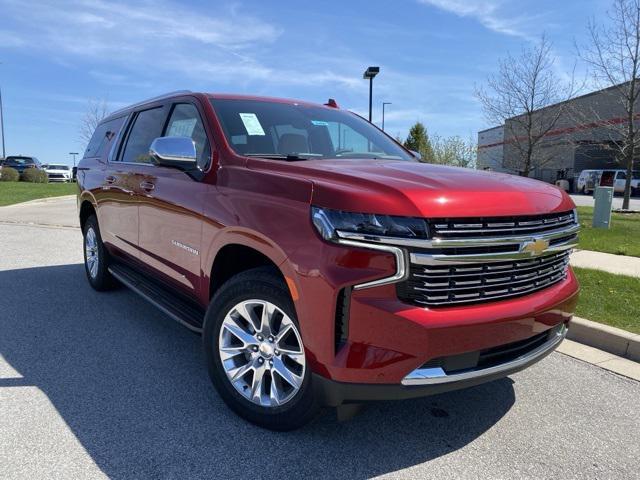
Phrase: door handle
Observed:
(147, 186)
(110, 179)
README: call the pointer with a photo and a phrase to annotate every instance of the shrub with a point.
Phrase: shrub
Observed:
(34, 175)
(8, 174)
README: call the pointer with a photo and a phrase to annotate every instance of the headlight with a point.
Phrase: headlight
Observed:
(329, 221)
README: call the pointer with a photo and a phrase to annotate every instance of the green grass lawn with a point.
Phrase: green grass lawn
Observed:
(623, 238)
(16, 192)
(610, 299)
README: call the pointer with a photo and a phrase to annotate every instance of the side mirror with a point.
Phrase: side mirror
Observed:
(416, 154)
(177, 152)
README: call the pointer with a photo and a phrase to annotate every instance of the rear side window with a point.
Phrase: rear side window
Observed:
(102, 137)
(146, 128)
(185, 121)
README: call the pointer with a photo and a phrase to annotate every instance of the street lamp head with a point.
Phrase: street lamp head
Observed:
(371, 72)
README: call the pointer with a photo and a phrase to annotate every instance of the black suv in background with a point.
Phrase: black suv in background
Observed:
(21, 163)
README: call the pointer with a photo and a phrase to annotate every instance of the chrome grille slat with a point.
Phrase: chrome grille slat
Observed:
(510, 281)
(491, 269)
(435, 302)
(503, 229)
(460, 228)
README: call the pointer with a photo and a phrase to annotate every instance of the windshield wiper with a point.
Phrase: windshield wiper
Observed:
(289, 158)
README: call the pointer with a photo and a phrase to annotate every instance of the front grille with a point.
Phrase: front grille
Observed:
(442, 284)
(55, 175)
(450, 228)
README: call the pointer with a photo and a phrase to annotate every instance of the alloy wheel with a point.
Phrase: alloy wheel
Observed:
(262, 353)
(91, 252)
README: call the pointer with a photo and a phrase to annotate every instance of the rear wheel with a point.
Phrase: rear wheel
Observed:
(255, 353)
(96, 257)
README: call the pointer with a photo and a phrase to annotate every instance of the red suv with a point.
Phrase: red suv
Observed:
(322, 263)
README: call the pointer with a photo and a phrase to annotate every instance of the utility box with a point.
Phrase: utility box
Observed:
(602, 208)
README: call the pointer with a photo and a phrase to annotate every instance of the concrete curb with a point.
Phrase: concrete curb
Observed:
(610, 339)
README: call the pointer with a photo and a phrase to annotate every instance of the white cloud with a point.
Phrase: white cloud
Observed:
(490, 13)
(147, 40)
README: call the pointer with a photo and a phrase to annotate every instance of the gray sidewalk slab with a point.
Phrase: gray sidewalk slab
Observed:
(56, 211)
(587, 201)
(617, 264)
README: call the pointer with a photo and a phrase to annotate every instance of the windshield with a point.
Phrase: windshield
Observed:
(20, 161)
(296, 132)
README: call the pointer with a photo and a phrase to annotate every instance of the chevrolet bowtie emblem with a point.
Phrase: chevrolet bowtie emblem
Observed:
(535, 247)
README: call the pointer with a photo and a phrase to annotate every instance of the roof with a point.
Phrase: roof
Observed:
(226, 96)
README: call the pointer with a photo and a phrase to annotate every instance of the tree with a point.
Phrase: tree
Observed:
(418, 141)
(97, 110)
(613, 57)
(454, 151)
(516, 97)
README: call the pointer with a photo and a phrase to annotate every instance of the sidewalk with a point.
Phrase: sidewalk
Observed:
(617, 264)
(54, 211)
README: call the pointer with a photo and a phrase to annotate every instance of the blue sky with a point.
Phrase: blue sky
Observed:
(57, 56)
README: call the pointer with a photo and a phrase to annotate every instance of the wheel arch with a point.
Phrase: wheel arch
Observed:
(236, 257)
(86, 209)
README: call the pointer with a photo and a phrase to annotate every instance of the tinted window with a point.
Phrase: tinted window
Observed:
(146, 128)
(254, 127)
(19, 161)
(185, 121)
(102, 136)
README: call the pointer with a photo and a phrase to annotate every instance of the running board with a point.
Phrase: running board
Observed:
(182, 311)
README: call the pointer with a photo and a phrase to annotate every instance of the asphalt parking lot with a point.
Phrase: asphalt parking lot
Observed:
(102, 385)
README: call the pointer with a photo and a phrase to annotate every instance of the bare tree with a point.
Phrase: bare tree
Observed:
(517, 96)
(97, 110)
(613, 56)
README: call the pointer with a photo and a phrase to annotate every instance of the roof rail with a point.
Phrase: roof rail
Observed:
(152, 99)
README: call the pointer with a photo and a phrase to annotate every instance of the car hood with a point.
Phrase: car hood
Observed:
(420, 189)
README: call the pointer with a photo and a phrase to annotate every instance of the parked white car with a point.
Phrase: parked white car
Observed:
(58, 172)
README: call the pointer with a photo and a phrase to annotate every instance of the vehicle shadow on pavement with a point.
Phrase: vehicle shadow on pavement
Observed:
(132, 386)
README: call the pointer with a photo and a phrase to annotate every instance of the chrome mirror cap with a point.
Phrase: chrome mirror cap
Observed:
(174, 150)
(416, 154)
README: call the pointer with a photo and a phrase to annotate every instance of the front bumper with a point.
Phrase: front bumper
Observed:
(430, 381)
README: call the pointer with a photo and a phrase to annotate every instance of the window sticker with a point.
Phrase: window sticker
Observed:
(182, 128)
(252, 124)
(320, 123)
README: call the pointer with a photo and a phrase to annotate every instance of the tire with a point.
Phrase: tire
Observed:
(584, 190)
(257, 354)
(98, 270)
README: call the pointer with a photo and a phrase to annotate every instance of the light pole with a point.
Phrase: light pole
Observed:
(4, 154)
(370, 73)
(73, 154)
(383, 104)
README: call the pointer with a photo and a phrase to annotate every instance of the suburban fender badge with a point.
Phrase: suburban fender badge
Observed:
(189, 249)
(535, 247)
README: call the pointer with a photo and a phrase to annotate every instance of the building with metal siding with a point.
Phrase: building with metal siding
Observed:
(578, 141)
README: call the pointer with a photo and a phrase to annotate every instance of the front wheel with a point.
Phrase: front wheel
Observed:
(96, 257)
(255, 354)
